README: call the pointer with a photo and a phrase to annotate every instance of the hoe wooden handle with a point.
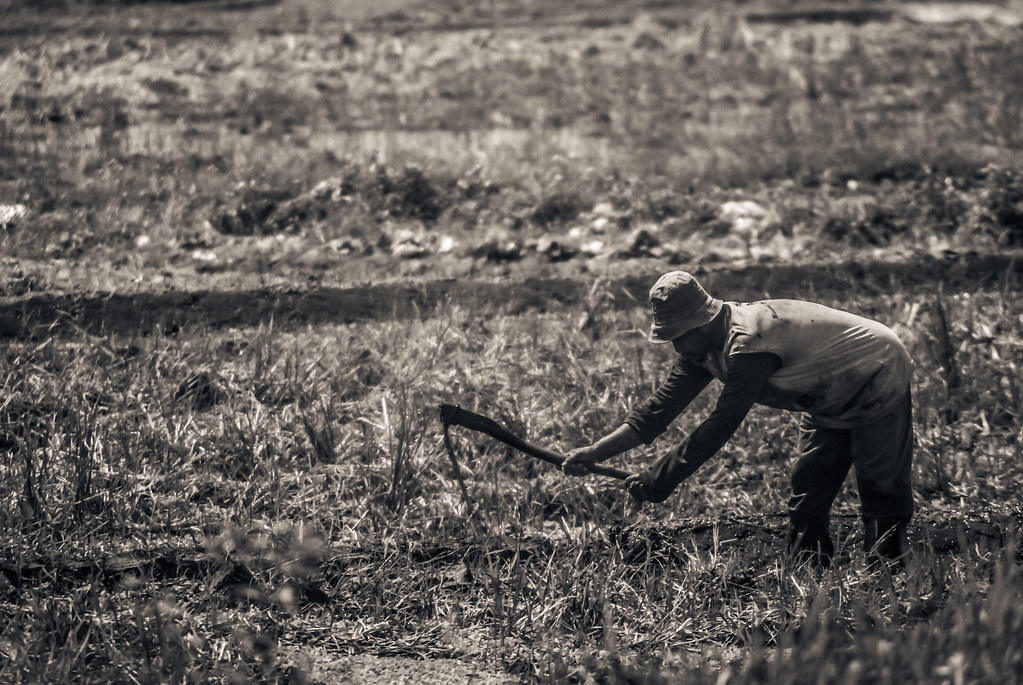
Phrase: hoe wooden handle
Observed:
(452, 415)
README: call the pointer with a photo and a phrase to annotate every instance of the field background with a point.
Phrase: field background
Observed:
(249, 246)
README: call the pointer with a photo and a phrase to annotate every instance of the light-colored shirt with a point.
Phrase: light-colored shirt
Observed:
(843, 369)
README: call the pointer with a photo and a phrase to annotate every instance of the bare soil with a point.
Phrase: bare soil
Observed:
(38, 316)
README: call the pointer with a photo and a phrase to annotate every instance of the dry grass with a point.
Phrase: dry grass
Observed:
(308, 467)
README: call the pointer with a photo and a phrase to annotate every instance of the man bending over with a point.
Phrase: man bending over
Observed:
(848, 375)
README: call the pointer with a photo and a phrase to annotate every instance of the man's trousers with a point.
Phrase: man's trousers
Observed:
(882, 453)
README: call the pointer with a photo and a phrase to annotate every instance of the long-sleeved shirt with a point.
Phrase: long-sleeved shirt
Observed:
(841, 368)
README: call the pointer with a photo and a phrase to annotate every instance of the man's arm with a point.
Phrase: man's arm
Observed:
(676, 392)
(747, 376)
(647, 421)
(623, 439)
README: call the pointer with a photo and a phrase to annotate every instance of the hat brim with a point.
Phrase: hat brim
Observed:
(663, 332)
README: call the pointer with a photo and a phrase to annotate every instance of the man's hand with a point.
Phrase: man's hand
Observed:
(637, 488)
(579, 460)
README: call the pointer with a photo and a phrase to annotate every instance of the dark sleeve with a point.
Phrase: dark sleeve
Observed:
(681, 387)
(747, 376)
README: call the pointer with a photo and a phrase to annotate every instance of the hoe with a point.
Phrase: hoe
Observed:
(451, 415)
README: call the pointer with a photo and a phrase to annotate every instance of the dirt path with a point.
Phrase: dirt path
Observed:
(46, 315)
(324, 667)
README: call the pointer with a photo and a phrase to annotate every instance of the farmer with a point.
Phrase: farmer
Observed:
(849, 375)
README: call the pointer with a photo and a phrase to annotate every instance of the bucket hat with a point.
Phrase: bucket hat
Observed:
(679, 304)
